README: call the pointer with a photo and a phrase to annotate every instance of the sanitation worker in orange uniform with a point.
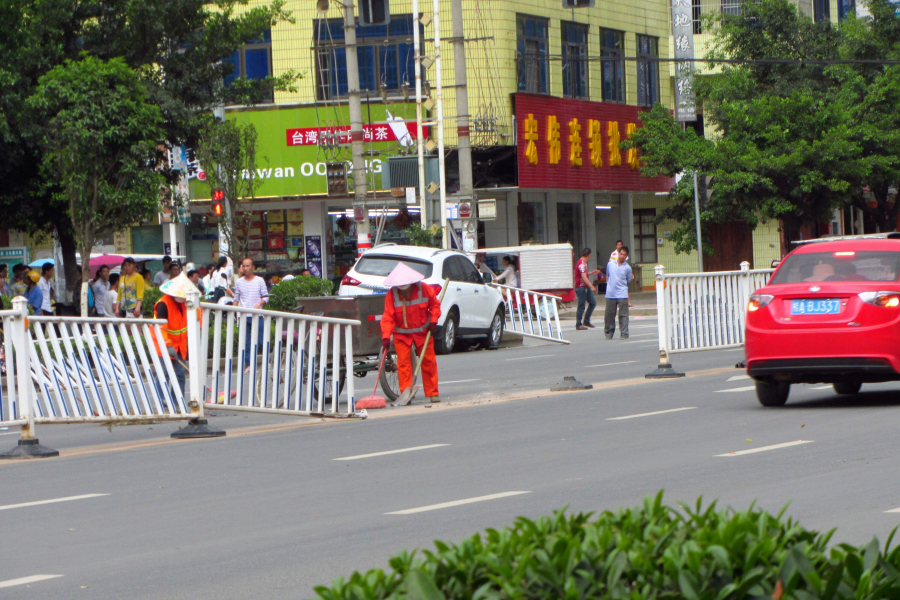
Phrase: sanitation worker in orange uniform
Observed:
(411, 309)
(171, 308)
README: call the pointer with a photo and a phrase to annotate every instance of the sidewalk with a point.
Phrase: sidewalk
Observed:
(644, 305)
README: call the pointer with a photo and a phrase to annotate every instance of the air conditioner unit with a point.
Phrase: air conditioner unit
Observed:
(403, 172)
(374, 12)
(578, 3)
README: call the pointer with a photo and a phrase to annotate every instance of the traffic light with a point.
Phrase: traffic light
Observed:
(218, 196)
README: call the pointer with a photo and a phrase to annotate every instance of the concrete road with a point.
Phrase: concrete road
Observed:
(275, 508)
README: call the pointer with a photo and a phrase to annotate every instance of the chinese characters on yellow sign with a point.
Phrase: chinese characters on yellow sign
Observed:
(594, 138)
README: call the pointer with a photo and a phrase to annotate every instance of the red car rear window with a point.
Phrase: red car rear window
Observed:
(818, 267)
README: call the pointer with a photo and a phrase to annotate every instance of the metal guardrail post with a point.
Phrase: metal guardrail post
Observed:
(198, 427)
(665, 369)
(29, 446)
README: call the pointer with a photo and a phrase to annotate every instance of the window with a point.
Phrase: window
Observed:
(612, 45)
(644, 250)
(648, 70)
(816, 267)
(574, 60)
(252, 61)
(452, 269)
(846, 8)
(568, 224)
(822, 11)
(385, 54)
(470, 273)
(531, 51)
(531, 222)
(731, 7)
(696, 14)
(383, 265)
(577, 3)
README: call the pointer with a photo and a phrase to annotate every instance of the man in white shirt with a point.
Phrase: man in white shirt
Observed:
(163, 276)
(46, 289)
(111, 298)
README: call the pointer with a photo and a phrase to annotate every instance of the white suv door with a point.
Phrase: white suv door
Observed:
(481, 307)
(460, 292)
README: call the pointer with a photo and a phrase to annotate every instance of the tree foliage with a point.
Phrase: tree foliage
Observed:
(98, 135)
(176, 46)
(790, 142)
(227, 151)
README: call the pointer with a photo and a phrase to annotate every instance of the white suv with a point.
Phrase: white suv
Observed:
(471, 308)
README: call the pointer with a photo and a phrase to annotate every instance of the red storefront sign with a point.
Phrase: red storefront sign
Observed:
(395, 131)
(573, 144)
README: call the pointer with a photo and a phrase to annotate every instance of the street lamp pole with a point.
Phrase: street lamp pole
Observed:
(697, 223)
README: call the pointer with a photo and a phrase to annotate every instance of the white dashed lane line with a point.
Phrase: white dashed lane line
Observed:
(740, 389)
(411, 511)
(26, 580)
(386, 452)
(53, 501)
(737, 378)
(764, 448)
(650, 414)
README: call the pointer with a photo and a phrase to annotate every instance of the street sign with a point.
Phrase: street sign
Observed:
(487, 209)
(465, 210)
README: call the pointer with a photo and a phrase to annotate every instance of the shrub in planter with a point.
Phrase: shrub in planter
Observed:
(654, 551)
(151, 297)
(284, 296)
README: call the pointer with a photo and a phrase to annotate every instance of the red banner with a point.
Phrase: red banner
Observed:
(395, 131)
(573, 144)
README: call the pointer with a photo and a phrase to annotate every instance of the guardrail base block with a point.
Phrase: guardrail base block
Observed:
(198, 428)
(569, 383)
(29, 449)
(663, 371)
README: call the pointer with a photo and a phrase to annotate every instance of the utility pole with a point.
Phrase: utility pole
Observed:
(439, 100)
(420, 138)
(697, 222)
(357, 143)
(466, 187)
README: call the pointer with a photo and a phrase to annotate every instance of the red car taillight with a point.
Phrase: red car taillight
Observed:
(758, 301)
(347, 280)
(884, 299)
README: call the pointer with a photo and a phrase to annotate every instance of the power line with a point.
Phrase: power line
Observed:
(733, 61)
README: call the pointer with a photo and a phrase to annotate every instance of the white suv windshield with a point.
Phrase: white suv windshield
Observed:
(382, 266)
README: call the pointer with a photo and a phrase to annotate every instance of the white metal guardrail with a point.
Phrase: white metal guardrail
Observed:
(531, 314)
(296, 364)
(703, 311)
(12, 395)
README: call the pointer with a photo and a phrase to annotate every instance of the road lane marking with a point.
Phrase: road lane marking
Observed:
(53, 501)
(893, 510)
(765, 448)
(824, 387)
(528, 357)
(740, 389)
(460, 381)
(411, 511)
(737, 378)
(626, 362)
(649, 414)
(26, 580)
(385, 453)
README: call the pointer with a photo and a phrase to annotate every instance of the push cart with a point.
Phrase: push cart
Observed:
(366, 338)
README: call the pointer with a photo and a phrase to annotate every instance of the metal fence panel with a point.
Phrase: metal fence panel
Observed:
(531, 314)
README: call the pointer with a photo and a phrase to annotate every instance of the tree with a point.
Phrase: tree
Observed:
(99, 137)
(177, 48)
(792, 141)
(227, 151)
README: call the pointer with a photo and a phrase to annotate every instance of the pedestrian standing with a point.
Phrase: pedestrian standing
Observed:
(100, 286)
(174, 270)
(250, 292)
(410, 309)
(618, 298)
(4, 275)
(584, 291)
(131, 290)
(33, 292)
(19, 283)
(163, 276)
(46, 289)
(615, 253)
(111, 298)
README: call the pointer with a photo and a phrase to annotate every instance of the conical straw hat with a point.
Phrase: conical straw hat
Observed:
(403, 275)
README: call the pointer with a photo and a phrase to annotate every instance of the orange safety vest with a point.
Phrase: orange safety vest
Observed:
(175, 330)
(409, 317)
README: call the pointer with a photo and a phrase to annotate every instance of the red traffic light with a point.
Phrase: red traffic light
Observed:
(218, 195)
(217, 209)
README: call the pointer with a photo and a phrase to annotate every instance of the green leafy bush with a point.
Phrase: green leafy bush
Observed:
(151, 297)
(419, 236)
(655, 551)
(284, 296)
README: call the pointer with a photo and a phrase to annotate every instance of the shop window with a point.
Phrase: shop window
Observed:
(532, 35)
(385, 55)
(252, 61)
(648, 70)
(644, 250)
(612, 46)
(568, 224)
(574, 60)
(531, 222)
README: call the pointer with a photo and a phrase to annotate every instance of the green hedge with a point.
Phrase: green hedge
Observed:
(151, 297)
(284, 296)
(654, 551)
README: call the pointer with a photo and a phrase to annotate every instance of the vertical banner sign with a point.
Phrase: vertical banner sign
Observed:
(683, 36)
(314, 255)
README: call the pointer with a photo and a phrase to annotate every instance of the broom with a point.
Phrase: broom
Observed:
(374, 401)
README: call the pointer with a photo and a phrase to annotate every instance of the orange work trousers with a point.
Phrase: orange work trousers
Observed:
(405, 364)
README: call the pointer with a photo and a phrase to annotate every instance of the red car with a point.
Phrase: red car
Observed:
(830, 313)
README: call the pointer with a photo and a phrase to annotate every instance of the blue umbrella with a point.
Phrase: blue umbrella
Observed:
(40, 263)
